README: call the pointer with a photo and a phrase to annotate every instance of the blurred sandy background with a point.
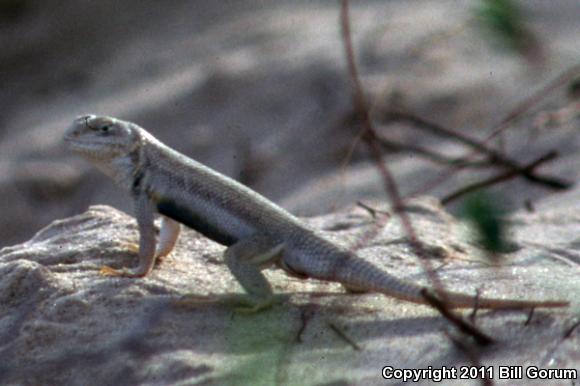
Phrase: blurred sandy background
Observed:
(259, 91)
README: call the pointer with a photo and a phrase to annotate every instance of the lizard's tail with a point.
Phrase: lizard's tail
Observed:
(362, 275)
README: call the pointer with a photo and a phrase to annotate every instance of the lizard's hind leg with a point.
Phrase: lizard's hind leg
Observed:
(245, 260)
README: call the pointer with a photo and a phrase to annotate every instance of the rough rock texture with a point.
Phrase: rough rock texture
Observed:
(63, 323)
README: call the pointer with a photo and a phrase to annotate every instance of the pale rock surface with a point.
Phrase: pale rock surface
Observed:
(63, 323)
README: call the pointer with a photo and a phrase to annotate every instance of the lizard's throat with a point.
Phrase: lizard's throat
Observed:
(120, 169)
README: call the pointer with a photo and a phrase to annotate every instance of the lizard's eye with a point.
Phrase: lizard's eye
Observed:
(106, 128)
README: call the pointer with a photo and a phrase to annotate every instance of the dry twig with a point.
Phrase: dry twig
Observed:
(494, 157)
(513, 116)
(481, 338)
(370, 138)
(499, 178)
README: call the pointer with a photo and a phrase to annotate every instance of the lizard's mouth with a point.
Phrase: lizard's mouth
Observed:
(82, 145)
(92, 147)
(75, 142)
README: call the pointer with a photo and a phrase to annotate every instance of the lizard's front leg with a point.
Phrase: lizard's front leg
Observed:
(144, 212)
(245, 260)
(168, 236)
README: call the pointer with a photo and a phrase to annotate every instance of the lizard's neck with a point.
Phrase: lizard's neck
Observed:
(124, 169)
(121, 169)
(128, 168)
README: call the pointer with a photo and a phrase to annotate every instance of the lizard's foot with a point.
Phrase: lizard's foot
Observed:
(134, 248)
(252, 308)
(105, 270)
(248, 305)
(159, 258)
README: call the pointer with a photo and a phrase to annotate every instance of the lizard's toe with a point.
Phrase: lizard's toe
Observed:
(239, 303)
(105, 270)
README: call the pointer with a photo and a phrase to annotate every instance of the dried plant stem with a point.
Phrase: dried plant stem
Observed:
(495, 157)
(514, 115)
(499, 178)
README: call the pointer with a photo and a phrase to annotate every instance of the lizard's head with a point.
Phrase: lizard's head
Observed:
(101, 138)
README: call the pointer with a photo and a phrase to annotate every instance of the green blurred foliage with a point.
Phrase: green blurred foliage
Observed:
(502, 18)
(485, 214)
(505, 23)
(574, 89)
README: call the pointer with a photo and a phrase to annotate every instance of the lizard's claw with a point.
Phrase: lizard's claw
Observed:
(105, 270)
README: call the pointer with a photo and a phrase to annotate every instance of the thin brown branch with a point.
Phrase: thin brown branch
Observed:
(473, 313)
(370, 138)
(481, 338)
(495, 157)
(372, 211)
(472, 353)
(440, 130)
(569, 331)
(564, 78)
(499, 178)
(514, 115)
(530, 316)
(342, 334)
(398, 147)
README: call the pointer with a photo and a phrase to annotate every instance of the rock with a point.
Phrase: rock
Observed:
(63, 323)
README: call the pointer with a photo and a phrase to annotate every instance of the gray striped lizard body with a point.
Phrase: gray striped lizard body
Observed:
(256, 232)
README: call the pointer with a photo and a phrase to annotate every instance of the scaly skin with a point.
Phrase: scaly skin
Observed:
(256, 232)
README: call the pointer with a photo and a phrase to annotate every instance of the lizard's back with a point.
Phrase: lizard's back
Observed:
(213, 204)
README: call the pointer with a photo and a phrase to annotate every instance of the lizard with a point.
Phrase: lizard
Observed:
(256, 232)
